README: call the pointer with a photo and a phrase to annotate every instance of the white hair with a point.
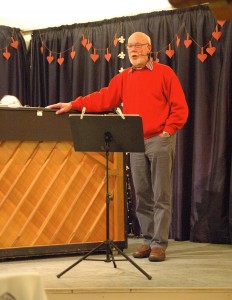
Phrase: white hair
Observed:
(144, 35)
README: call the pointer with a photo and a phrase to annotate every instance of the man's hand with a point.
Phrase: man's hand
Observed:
(62, 107)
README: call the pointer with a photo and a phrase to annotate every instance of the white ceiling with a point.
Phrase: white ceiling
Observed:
(29, 15)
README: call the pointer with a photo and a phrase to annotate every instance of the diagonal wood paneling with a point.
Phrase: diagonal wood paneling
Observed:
(52, 195)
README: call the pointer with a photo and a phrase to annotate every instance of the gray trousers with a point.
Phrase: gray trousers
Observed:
(151, 173)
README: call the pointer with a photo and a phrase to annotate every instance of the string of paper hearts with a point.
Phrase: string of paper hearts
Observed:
(13, 43)
(60, 59)
(95, 56)
(169, 52)
(168, 49)
(85, 43)
(208, 47)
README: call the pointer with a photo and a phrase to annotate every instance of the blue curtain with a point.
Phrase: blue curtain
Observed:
(13, 64)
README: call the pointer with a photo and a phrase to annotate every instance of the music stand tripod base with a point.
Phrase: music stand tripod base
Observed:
(107, 134)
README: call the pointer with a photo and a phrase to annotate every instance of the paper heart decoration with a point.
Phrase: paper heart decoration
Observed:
(73, 53)
(115, 41)
(217, 34)
(60, 60)
(50, 58)
(94, 56)
(41, 49)
(170, 52)
(14, 43)
(88, 45)
(107, 55)
(210, 49)
(84, 41)
(221, 22)
(202, 56)
(177, 41)
(188, 41)
(6, 54)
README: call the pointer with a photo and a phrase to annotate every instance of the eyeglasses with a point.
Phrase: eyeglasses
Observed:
(137, 46)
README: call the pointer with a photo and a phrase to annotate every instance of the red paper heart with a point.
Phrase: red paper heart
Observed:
(72, 54)
(88, 46)
(94, 57)
(6, 55)
(202, 57)
(170, 53)
(221, 22)
(50, 59)
(115, 41)
(217, 35)
(210, 50)
(177, 41)
(108, 56)
(60, 60)
(41, 49)
(187, 43)
(14, 44)
(84, 42)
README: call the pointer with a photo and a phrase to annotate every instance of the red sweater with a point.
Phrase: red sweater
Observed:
(156, 95)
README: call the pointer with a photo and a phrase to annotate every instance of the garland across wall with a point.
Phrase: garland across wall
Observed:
(189, 40)
(204, 50)
(11, 42)
(86, 43)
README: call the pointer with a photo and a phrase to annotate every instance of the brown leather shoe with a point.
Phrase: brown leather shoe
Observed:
(157, 254)
(142, 252)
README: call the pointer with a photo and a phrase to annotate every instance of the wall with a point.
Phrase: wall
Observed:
(45, 13)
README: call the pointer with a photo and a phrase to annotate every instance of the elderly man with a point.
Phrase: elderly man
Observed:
(153, 91)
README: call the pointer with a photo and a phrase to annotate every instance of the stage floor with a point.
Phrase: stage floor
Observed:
(189, 266)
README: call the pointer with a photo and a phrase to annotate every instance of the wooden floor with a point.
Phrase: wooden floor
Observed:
(191, 271)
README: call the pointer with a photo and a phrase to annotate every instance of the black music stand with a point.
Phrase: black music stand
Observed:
(107, 133)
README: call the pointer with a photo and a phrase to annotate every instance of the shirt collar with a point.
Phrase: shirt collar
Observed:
(149, 65)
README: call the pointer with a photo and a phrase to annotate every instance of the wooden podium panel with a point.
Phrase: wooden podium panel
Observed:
(52, 199)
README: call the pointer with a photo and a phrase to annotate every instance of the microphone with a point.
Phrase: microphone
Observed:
(119, 112)
(83, 112)
(148, 54)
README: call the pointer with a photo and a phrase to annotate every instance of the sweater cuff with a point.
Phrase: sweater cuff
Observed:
(168, 129)
(75, 105)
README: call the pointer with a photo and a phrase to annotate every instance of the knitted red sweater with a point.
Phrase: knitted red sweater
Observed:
(156, 96)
